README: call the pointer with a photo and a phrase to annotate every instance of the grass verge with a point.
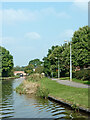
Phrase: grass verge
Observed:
(72, 95)
(43, 87)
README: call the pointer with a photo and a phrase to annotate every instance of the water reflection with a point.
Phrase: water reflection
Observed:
(25, 106)
(6, 107)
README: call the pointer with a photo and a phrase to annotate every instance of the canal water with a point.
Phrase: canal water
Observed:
(15, 105)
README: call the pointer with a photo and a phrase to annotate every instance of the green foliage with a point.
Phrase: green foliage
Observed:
(46, 66)
(34, 77)
(36, 65)
(62, 53)
(83, 74)
(18, 68)
(39, 69)
(80, 47)
(47, 62)
(42, 92)
(7, 62)
(35, 62)
(29, 69)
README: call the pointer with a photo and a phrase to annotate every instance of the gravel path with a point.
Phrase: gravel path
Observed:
(71, 83)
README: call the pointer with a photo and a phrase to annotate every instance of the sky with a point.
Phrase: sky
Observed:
(29, 29)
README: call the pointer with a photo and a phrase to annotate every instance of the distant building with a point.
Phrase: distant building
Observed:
(19, 72)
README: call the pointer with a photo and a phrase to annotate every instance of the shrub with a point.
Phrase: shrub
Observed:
(83, 74)
(34, 77)
(42, 92)
(67, 74)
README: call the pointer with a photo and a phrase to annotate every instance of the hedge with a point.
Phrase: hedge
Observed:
(83, 74)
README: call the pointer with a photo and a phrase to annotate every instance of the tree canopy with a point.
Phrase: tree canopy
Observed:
(18, 68)
(62, 53)
(80, 47)
(7, 62)
(34, 66)
(35, 62)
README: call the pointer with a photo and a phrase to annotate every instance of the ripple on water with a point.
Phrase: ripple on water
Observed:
(6, 110)
(25, 107)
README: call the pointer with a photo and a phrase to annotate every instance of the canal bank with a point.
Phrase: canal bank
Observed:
(8, 78)
(75, 108)
(66, 95)
(15, 105)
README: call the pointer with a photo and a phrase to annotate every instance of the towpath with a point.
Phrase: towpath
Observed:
(71, 83)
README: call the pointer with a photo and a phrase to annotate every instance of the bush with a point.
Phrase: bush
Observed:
(67, 74)
(83, 74)
(35, 77)
(42, 92)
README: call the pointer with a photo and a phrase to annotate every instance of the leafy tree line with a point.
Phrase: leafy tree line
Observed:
(80, 50)
(49, 65)
(6, 62)
(18, 68)
(34, 66)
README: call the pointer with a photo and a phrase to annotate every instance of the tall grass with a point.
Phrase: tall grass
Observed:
(32, 85)
(20, 89)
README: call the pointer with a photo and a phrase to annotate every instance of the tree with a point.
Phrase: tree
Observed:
(80, 47)
(58, 55)
(29, 69)
(35, 62)
(18, 68)
(39, 69)
(47, 61)
(80, 50)
(7, 62)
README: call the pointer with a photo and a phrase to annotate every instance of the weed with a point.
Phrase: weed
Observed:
(75, 107)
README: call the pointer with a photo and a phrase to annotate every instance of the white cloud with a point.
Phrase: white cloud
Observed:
(51, 11)
(11, 15)
(32, 35)
(20, 15)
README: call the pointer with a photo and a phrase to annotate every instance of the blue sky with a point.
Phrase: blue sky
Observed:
(30, 29)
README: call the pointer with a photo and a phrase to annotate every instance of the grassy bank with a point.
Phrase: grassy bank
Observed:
(76, 80)
(78, 96)
(27, 87)
(31, 85)
(43, 87)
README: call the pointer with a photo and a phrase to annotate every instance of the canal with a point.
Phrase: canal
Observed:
(15, 105)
